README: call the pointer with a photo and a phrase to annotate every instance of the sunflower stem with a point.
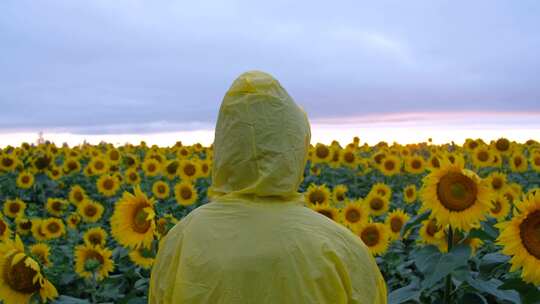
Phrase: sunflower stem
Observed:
(448, 282)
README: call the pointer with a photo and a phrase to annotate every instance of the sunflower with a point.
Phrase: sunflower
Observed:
(131, 160)
(132, 177)
(471, 144)
(5, 232)
(456, 196)
(455, 158)
(518, 162)
(77, 195)
(71, 165)
(375, 236)
(390, 165)
(378, 157)
(482, 157)
(381, 189)
(496, 180)
(205, 167)
(354, 214)
(108, 185)
(98, 166)
(151, 167)
(161, 189)
(171, 168)
(326, 210)
(56, 206)
(349, 158)
(54, 173)
(96, 236)
(189, 170)
(534, 160)
(415, 164)
(25, 180)
(41, 252)
(500, 207)
(321, 153)
(520, 239)
(90, 211)
(91, 260)
(502, 145)
(8, 162)
(317, 195)
(53, 228)
(24, 225)
(338, 194)
(21, 277)
(432, 233)
(409, 194)
(132, 223)
(14, 208)
(377, 204)
(113, 156)
(38, 231)
(315, 170)
(434, 161)
(164, 224)
(395, 221)
(335, 156)
(185, 193)
(142, 256)
(73, 220)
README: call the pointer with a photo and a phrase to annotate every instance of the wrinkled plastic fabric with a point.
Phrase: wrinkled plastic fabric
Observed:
(256, 242)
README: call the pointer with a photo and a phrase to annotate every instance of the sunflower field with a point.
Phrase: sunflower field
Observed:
(446, 223)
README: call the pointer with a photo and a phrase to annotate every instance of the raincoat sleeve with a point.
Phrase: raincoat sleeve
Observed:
(163, 278)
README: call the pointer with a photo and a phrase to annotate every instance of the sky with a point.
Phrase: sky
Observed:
(128, 68)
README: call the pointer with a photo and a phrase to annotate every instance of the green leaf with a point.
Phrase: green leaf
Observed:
(442, 265)
(492, 287)
(473, 298)
(69, 300)
(404, 294)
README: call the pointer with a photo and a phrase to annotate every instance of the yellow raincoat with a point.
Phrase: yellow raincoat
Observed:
(256, 242)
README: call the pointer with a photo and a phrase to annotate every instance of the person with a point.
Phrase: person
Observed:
(256, 242)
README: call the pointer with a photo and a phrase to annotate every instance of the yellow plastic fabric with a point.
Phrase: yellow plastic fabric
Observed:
(256, 242)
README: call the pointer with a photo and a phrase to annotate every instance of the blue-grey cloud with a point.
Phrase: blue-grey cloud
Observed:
(87, 65)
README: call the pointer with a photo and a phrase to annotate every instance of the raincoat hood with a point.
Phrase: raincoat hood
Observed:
(261, 141)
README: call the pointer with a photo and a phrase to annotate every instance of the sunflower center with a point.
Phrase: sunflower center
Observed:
(370, 236)
(7, 162)
(90, 210)
(14, 208)
(25, 225)
(456, 191)
(99, 165)
(483, 156)
(529, 231)
(537, 160)
(151, 168)
(133, 176)
(95, 238)
(78, 196)
(322, 152)
(497, 207)
(378, 158)
(140, 222)
(432, 228)
(172, 168)
(396, 224)
(517, 161)
(502, 144)
(416, 164)
(326, 213)
(340, 197)
(205, 168)
(72, 166)
(57, 206)
(376, 204)
(381, 192)
(352, 215)
(114, 155)
(473, 145)
(161, 189)
(25, 179)
(389, 165)
(452, 159)
(186, 193)
(409, 193)
(3, 227)
(108, 184)
(497, 183)
(93, 257)
(435, 162)
(348, 157)
(316, 197)
(189, 169)
(53, 227)
(19, 277)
